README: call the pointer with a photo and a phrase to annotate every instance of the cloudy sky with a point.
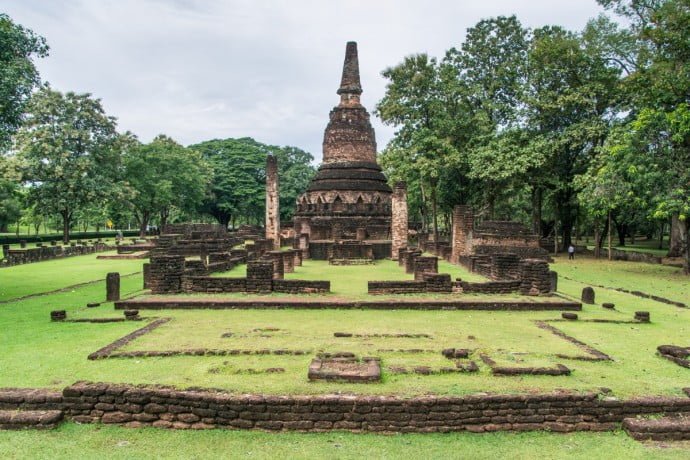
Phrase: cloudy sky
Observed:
(203, 69)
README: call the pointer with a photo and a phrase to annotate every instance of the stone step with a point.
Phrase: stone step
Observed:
(29, 419)
(672, 428)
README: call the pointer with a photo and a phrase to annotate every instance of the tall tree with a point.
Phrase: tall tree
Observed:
(238, 178)
(71, 151)
(18, 75)
(161, 175)
(570, 96)
(10, 193)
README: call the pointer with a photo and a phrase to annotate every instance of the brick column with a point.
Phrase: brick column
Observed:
(112, 286)
(272, 201)
(461, 240)
(399, 224)
(424, 264)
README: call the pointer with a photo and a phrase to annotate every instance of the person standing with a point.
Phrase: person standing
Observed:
(571, 252)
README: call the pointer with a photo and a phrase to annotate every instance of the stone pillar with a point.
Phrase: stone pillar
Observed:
(112, 287)
(288, 262)
(424, 264)
(410, 257)
(260, 276)
(304, 245)
(5, 250)
(272, 200)
(297, 254)
(399, 224)
(147, 274)
(165, 274)
(361, 234)
(276, 257)
(22, 244)
(534, 277)
(401, 256)
(461, 240)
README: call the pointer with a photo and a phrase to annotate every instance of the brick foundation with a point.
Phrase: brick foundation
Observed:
(170, 408)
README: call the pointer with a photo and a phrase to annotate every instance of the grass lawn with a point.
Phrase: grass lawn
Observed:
(72, 441)
(661, 280)
(40, 353)
(28, 279)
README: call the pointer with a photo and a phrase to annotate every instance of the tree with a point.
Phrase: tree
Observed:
(571, 92)
(10, 193)
(18, 75)
(163, 174)
(238, 178)
(71, 151)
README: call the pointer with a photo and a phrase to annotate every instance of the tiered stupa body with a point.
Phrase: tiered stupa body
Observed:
(349, 198)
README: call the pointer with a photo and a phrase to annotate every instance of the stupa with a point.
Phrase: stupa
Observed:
(349, 198)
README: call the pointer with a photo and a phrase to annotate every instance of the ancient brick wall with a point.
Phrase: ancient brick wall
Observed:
(165, 274)
(301, 286)
(40, 253)
(272, 202)
(490, 287)
(424, 264)
(212, 285)
(535, 278)
(399, 221)
(85, 402)
(461, 239)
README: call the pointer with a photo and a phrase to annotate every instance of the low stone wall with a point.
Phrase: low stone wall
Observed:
(301, 286)
(431, 282)
(212, 285)
(169, 408)
(41, 253)
(490, 287)
(396, 287)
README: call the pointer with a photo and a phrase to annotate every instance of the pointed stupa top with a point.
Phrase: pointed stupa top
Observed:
(350, 84)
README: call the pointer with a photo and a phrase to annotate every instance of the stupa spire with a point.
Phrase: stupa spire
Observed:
(350, 84)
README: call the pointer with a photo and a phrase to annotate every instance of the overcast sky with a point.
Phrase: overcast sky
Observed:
(200, 69)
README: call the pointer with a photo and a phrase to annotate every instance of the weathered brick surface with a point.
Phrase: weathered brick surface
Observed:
(272, 223)
(170, 408)
(349, 192)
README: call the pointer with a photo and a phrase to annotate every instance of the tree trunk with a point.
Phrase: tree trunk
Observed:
(4, 228)
(621, 229)
(434, 210)
(597, 240)
(675, 248)
(661, 234)
(536, 210)
(143, 223)
(684, 227)
(610, 254)
(66, 217)
(422, 209)
(165, 213)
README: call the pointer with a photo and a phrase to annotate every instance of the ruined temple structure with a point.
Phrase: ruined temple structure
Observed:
(349, 199)
(495, 249)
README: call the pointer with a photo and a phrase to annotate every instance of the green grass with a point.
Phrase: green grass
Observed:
(661, 280)
(34, 278)
(72, 441)
(40, 353)
(508, 337)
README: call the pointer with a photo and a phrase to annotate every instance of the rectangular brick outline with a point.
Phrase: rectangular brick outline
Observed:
(109, 351)
(557, 370)
(596, 355)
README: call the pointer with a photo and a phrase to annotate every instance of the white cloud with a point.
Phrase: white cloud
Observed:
(197, 69)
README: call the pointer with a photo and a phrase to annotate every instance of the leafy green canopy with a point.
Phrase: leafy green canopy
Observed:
(161, 175)
(18, 75)
(238, 178)
(71, 153)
